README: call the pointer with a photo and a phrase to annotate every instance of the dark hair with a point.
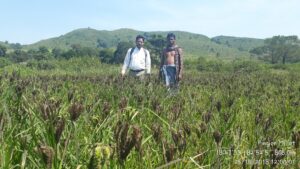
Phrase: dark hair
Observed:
(171, 35)
(140, 37)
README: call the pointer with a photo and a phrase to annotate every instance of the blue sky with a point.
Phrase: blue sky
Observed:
(33, 20)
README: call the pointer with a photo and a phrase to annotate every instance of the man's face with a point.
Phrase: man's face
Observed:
(139, 42)
(171, 41)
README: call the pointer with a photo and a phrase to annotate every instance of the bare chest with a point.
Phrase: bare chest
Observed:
(170, 57)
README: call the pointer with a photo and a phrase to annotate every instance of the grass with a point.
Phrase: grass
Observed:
(93, 118)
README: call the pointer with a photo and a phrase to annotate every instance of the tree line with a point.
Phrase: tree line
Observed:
(279, 49)
(154, 43)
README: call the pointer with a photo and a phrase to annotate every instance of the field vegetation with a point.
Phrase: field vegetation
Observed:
(79, 113)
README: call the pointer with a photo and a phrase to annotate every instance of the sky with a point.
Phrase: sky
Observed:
(29, 21)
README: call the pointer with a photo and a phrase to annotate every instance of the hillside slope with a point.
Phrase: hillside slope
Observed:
(242, 44)
(193, 44)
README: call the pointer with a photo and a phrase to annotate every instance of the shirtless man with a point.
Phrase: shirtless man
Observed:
(171, 64)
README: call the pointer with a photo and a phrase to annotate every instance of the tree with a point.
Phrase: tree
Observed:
(121, 51)
(18, 56)
(101, 43)
(42, 53)
(68, 54)
(76, 48)
(295, 55)
(3, 50)
(57, 52)
(155, 44)
(79, 51)
(88, 51)
(43, 50)
(278, 49)
(288, 45)
(16, 46)
(106, 55)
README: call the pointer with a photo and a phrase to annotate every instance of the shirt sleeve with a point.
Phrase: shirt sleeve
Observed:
(126, 61)
(148, 62)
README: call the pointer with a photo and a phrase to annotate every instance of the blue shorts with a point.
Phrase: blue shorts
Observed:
(169, 74)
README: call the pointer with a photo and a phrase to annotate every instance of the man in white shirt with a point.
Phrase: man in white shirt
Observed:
(137, 60)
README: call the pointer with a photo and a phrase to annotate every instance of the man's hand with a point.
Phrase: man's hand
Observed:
(123, 73)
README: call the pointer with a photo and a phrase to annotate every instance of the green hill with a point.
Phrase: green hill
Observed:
(193, 44)
(242, 44)
(87, 37)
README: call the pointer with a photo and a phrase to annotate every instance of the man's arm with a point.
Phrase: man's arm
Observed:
(162, 58)
(180, 63)
(148, 62)
(126, 62)
(162, 61)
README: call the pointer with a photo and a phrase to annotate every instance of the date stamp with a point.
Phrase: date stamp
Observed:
(265, 162)
(267, 153)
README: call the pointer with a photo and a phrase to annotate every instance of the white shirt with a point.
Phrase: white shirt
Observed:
(138, 60)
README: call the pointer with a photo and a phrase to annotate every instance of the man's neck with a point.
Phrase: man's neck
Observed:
(172, 46)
